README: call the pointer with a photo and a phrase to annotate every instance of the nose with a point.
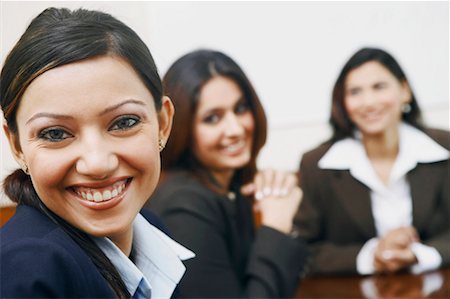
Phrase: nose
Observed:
(97, 159)
(369, 99)
(233, 125)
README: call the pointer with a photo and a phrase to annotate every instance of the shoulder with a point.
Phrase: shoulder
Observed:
(182, 191)
(440, 136)
(312, 157)
(44, 260)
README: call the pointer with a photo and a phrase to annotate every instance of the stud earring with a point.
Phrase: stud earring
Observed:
(406, 108)
(25, 169)
(161, 144)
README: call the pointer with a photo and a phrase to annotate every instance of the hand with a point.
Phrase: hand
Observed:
(393, 252)
(270, 182)
(393, 260)
(399, 238)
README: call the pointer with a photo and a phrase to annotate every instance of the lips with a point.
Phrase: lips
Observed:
(100, 193)
(235, 147)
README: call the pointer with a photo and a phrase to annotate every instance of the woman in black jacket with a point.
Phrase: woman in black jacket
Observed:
(210, 181)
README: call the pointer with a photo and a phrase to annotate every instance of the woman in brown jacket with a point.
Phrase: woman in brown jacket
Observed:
(376, 196)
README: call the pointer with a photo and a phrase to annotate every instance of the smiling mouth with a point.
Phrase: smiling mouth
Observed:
(234, 147)
(101, 194)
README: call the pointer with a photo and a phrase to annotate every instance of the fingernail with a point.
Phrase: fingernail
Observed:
(259, 195)
(276, 192)
(267, 191)
(387, 255)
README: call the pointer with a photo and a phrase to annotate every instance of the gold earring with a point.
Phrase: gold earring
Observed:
(25, 169)
(161, 144)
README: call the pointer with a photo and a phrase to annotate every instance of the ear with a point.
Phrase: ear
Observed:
(14, 144)
(406, 92)
(165, 118)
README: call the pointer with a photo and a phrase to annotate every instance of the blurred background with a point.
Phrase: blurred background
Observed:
(291, 51)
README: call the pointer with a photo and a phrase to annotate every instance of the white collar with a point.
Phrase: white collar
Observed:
(157, 259)
(415, 147)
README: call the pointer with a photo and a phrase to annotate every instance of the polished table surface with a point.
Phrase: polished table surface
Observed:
(434, 284)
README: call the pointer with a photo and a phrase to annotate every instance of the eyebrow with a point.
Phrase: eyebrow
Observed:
(62, 116)
(238, 101)
(130, 101)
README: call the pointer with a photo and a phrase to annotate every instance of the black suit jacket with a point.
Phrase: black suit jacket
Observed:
(336, 215)
(232, 259)
(39, 260)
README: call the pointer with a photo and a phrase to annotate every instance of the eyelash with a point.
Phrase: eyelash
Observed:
(239, 109)
(63, 134)
(135, 121)
(45, 134)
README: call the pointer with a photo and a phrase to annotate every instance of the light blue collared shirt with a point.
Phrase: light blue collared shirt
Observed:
(157, 268)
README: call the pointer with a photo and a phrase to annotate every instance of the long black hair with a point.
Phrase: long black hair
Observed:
(58, 36)
(183, 83)
(340, 121)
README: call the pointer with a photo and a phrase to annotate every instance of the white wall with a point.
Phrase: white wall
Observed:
(292, 52)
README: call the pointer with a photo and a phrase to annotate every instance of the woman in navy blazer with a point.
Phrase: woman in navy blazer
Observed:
(86, 120)
(376, 196)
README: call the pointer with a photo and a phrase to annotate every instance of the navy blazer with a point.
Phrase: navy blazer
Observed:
(38, 259)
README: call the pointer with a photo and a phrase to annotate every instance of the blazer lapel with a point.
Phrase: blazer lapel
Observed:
(423, 182)
(355, 198)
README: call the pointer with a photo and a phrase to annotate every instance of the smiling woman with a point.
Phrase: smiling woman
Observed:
(367, 207)
(85, 118)
(210, 183)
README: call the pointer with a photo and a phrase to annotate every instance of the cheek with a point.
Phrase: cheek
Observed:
(350, 106)
(57, 165)
(205, 138)
(141, 154)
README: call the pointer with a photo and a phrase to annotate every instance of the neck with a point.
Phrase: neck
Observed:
(124, 241)
(223, 178)
(382, 146)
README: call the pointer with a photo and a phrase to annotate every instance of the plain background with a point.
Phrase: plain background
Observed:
(291, 51)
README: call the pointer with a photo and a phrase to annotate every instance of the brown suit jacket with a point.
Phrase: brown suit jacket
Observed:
(336, 218)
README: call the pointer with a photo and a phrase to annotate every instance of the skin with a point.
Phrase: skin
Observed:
(373, 100)
(223, 128)
(92, 127)
(223, 137)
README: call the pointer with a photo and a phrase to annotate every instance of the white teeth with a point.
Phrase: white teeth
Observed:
(99, 196)
(235, 146)
(106, 195)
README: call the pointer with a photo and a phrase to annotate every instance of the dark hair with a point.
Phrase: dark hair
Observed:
(340, 121)
(183, 83)
(56, 37)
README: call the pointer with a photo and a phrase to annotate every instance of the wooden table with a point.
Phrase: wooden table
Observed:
(434, 284)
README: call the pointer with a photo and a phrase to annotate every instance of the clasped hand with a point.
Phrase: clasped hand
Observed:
(277, 198)
(393, 252)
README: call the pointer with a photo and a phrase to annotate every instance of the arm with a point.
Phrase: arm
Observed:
(312, 221)
(34, 268)
(200, 224)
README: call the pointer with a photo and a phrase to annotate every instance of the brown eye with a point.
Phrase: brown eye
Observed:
(211, 119)
(241, 108)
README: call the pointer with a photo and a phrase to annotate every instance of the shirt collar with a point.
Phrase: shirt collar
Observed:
(415, 147)
(157, 259)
